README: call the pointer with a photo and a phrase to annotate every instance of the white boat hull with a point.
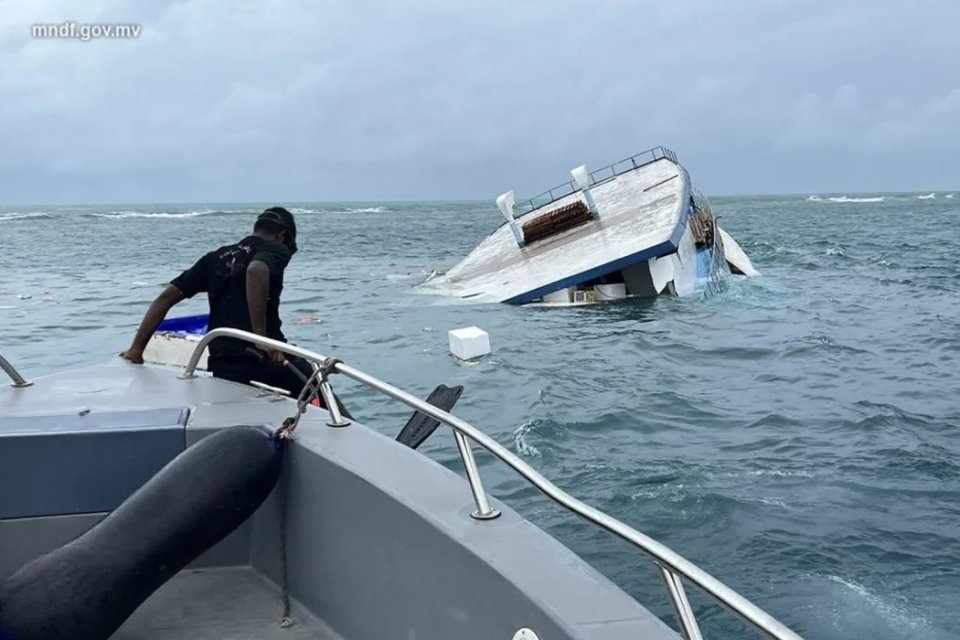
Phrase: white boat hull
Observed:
(642, 234)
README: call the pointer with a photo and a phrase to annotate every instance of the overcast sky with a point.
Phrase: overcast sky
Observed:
(221, 100)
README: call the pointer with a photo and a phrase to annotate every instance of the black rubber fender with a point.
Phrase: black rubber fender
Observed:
(87, 588)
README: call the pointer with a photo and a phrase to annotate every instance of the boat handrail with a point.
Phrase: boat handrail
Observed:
(599, 176)
(673, 567)
(15, 377)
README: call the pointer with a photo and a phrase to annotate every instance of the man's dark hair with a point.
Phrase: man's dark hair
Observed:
(275, 220)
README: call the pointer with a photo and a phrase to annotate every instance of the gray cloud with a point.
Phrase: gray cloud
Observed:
(304, 100)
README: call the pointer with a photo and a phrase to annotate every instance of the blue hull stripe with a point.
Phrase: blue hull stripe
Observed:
(596, 272)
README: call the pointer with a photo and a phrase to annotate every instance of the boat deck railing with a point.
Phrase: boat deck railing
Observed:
(599, 176)
(673, 568)
(15, 377)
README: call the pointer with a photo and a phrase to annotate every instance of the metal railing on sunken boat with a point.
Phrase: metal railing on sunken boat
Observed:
(599, 176)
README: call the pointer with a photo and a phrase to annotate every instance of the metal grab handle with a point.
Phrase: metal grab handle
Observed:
(668, 559)
(483, 510)
(15, 376)
(681, 605)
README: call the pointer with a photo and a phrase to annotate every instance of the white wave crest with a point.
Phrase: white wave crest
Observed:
(308, 210)
(773, 473)
(849, 199)
(815, 199)
(949, 195)
(6, 217)
(120, 215)
(929, 196)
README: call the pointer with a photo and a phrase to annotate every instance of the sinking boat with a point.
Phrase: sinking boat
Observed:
(152, 503)
(634, 228)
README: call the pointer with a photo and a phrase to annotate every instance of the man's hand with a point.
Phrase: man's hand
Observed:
(133, 355)
(155, 314)
(273, 354)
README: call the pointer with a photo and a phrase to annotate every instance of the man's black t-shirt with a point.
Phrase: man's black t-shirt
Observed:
(223, 275)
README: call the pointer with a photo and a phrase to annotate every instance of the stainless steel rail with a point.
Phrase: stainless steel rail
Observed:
(672, 565)
(596, 177)
(15, 376)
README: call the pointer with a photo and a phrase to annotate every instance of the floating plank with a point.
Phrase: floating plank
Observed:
(736, 257)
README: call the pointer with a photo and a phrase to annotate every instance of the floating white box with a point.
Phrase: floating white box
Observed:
(469, 343)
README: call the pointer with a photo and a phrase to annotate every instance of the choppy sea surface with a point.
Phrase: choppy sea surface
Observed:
(797, 435)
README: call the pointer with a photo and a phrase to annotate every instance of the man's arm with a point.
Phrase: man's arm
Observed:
(269, 261)
(258, 292)
(151, 320)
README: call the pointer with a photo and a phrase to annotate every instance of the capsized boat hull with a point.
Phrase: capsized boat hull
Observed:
(651, 232)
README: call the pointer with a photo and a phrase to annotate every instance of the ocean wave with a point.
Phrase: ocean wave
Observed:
(815, 199)
(849, 199)
(772, 473)
(306, 210)
(368, 210)
(7, 217)
(819, 343)
(929, 196)
(862, 604)
(120, 215)
(177, 215)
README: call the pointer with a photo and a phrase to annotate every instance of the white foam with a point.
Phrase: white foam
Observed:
(119, 215)
(815, 199)
(774, 502)
(5, 217)
(774, 473)
(893, 613)
(949, 195)
(356, 210)
(849, 199)
(519, 439)
(302, 210)
(929, 196)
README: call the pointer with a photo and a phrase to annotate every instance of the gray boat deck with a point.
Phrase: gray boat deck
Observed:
(379, 539)
(219, 604)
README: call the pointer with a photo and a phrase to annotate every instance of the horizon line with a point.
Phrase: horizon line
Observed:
(428, 200)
